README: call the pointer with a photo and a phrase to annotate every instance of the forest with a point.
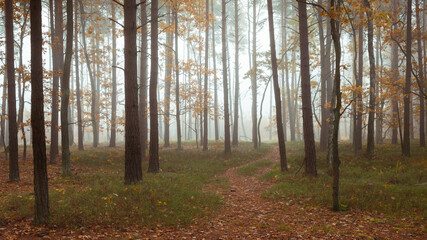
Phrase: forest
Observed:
(204, 119)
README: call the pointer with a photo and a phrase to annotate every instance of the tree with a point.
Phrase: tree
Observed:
(168, 76)
(336, 35)
(406, 146)
(58, 64)
(227, 145)
(65, 92)
(114, 79)
(309, 145)
(280, 134)
(359, 103)
(421, 75)
(178, 111)
(11, 99)
(78, 93)
(41, 190)
(235, 140)
(253, 78)
(133, 169)
(153, 163)
(205, 93)
(372, 76)
(143, 81)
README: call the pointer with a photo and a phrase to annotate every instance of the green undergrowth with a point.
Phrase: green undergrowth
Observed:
(386, 182)
(252, 168)
(96, 195)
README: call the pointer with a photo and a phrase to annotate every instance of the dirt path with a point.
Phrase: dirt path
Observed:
(246, 215)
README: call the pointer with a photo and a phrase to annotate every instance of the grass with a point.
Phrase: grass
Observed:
(252, 168)
(384, 183)
(96, 195)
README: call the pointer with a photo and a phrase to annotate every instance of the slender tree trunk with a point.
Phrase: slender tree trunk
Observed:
(168, 78)
(153, 164)
(215, 78)
(78, 96)
(406, 146)
(93, 114)
(323, 79)
(227, 145)
(133, 168)
(280, 134)
(114, 77)
(283, 22)
(359, 102)
(65, 92)
(379, 111)
(41, 190)
(11, 97)
(205, 92)
(177, 86)
(254, 77)
(143, 82)
(337, 111)
(3, 113)
(421, 75)
(235, 141)
(309, 145)
(372, 76)
(58, 64)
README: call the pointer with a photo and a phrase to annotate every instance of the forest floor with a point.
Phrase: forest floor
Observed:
(246, 213)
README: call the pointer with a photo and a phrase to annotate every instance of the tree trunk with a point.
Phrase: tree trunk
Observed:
(309, 145)
(337, 111)
(323, 80)
(168, 78)
(114, 77)
(78, 96)
(227, 145)
(359, 102)
(283, 21)
(235, 141)
(153, 164)
(406, 146)
(205, 92)
(93, 114)
(421, 75)
(372, 75)
(11, 97)
(65, 92)
(177, 86)
(41, 190)
(133, 169)
(215, 79)
(379, 111)
(58, 64)
(280, 134)
(254, 76)
(143, 82)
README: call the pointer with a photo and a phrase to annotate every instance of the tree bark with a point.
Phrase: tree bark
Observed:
(114, 78)
(215, 79)
(227, 145)
(65, 92)
(78, 95)
(235, 140)
(421, 75)
(323, 80)
(280, 134)
(133, 168)
(58, 64)
(406, 146)
(41, 190)
(372, 75)
(177, 86)
(168, 78)
(11, 97)
(143, 81)
(205, 92)
(309, 145)
(359, 102)
(254, 78)
(153, 163)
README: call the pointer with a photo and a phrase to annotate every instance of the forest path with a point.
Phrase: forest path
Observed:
(247, 215)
